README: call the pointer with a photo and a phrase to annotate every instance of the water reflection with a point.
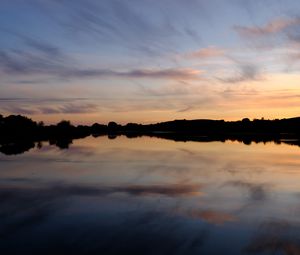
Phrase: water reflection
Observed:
(151, 196)
(21, 146)
(276, 236)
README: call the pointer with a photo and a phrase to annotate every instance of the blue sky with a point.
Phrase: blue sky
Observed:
(149, 61)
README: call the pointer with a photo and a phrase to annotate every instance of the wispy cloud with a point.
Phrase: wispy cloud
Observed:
(23, 63)
(180, 88)
(245, 72)
(40, 58)
(121, 21)
(70, 109)
(14, 109)
(169, 73)
(204, 53)
(172, 73)
(278, 33)
(271, 28)
(32, 107)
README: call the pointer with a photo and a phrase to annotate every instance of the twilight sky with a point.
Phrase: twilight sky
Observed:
(149, 60)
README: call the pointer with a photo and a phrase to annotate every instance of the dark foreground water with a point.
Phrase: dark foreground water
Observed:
(151, 196)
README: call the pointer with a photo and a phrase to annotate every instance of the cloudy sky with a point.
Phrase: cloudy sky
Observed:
(149, 60)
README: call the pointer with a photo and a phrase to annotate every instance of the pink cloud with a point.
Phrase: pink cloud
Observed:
(273, 27)
(209, 52)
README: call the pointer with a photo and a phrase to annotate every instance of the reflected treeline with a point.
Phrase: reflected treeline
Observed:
(19, 134)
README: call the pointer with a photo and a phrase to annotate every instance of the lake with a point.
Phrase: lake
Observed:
(151, 196)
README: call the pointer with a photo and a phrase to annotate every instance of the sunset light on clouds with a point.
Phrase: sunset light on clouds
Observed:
(149, 127)
(135, 61)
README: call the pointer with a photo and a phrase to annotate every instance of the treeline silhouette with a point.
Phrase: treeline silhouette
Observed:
(19, 133)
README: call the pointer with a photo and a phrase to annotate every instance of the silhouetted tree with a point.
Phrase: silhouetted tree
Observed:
(113, 126)
(98, 129)
(19, 133)
(64, 124)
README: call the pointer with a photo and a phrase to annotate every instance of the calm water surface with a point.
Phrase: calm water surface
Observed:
(151, 196)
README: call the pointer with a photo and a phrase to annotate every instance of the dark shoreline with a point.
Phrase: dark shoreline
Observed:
(19, 134)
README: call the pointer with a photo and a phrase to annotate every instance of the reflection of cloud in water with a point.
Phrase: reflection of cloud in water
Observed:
(199, 156)
(257, 192)
(238, 167)
(27, 200)
(80, 151)
(275, 237)
(74, 150)
(157, 199)
(86, 190)
(43, 210)
(39, 209)
(134, 233)
(214, 217)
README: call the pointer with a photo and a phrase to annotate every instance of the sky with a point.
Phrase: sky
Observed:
(149, 60)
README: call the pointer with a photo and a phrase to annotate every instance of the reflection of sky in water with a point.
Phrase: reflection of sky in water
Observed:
(151, 196)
